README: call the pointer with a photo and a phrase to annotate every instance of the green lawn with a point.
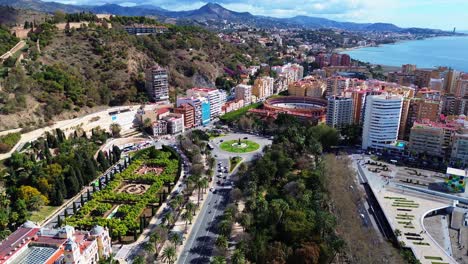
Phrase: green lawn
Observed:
(228, 146)
(234, 115)
(42, 214)
(233, 162)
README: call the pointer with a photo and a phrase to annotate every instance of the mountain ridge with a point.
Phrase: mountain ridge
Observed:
(214, 12)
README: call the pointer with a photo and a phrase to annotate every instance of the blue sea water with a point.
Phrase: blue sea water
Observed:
(427, 53)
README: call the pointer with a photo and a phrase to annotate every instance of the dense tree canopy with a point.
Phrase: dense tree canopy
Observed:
(286, 211)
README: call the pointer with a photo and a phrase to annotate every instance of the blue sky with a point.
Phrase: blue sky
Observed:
(443, 14)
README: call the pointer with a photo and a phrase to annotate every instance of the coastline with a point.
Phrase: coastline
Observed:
(341, 50)
(427, 53)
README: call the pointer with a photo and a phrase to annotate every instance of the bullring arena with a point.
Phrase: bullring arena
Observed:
(312, 108)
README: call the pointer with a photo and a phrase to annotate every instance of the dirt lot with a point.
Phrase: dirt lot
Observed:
(363, 244)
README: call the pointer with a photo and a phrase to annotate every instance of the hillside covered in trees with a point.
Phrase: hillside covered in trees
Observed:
(98, 63)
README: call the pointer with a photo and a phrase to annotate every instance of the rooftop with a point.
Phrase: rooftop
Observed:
(35, 255)
(16, 241)
(203, 89)
(457, 172)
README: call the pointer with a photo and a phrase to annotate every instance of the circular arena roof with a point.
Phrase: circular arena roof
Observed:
(312, 107)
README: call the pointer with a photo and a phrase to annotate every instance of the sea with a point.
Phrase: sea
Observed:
(427, 53)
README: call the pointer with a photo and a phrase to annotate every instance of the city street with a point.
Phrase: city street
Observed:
(200, 245)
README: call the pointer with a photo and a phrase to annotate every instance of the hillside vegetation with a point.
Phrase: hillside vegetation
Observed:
(78, 69)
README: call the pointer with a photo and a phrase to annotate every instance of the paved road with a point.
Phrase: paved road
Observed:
(200, 244)
(123, 115)
(221, 154)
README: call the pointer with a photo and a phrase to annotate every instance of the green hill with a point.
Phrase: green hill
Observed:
(78, 69)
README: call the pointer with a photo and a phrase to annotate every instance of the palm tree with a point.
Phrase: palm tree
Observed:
(168, 218)
(179, 198)
(225, 227)
(192, 182)
(187, 217)
(155, 238)
(238, 257)
(176, 239)
(173, 204)
(204, 184)
(221, 243)
(149, 247)
(190, 207)
(169, 254)
(199, 183)
(218, 260)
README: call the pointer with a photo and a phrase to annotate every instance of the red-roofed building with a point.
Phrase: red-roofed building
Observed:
(33, 245)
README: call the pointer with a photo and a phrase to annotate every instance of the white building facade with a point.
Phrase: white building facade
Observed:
(339, 112)
(381, 120)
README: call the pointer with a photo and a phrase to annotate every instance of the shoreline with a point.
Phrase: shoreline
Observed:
(341, 50)
(387, 62)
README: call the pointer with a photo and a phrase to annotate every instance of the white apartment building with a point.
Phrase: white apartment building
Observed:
(339, 112)
(244, 92)
(214, 97)
(381, 120)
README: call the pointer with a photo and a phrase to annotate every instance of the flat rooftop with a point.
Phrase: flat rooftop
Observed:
(35, 255)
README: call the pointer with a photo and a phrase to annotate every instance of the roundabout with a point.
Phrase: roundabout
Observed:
(239, 146)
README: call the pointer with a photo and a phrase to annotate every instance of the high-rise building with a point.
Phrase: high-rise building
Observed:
(335, 59)
(436, 84)
(214, 97)
(337, 85)
(401, 78)
(450, 81)
(461, 89)
(339, 111)
(452, 105)
(431, 138)
(345, 60)
(423, 77)
(459, 155)
(263, 87)
(157, 83)
(244, 92)
(381, 120)
(188, 112)
(309, 86)
(408, 68)
(417, 109)
(201, 107)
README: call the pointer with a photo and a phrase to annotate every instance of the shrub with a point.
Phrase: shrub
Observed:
(8, 141)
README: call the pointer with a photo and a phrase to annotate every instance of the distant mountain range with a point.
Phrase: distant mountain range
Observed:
(214, 13)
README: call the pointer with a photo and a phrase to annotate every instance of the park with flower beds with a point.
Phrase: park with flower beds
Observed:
(131, 197)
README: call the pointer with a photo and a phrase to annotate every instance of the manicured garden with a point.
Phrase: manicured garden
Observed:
(127, 212)
(239, 146)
